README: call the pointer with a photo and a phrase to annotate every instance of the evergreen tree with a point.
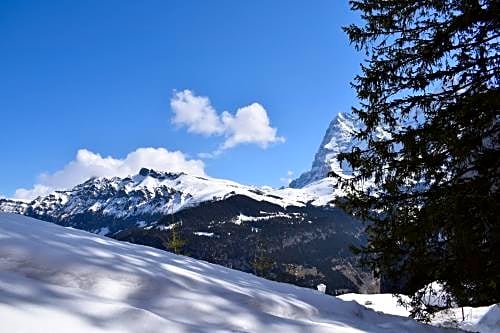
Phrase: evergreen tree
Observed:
(176, 242)
(262, 262)
(426, 177)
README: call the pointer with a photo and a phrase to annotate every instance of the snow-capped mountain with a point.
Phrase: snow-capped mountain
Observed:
(339, 138)
(151, 193)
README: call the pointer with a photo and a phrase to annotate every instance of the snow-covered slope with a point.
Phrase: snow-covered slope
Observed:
(482, 319)
(55, 279)
(339, 138)
(386, 303)
(150, 192)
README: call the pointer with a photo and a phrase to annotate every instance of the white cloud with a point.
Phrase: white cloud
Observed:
(88, 164)
(288, 179)
(32, 193)
(249, 125)
(207, 156)
(196, 113)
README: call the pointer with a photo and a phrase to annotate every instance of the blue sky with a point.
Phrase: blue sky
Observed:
(100, 76)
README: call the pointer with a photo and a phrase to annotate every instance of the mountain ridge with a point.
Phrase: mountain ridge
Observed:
(154, 192)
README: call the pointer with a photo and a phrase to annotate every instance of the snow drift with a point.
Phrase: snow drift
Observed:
(55, 279)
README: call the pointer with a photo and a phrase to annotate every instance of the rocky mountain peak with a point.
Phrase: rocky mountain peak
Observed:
(339, 137)
(160, 175)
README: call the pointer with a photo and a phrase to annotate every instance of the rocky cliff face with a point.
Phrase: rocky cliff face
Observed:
(338, 138)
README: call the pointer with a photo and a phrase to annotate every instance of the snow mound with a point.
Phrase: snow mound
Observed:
(490, 320)
(485, 319)
(434, 294)
(481, 319)
(385, 303)
(55, 279)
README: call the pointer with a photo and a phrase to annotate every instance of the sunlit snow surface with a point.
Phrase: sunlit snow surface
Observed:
(482, 319)
(55, 279)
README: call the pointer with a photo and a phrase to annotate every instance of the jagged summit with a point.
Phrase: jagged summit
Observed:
(339, 137)
(145, 172)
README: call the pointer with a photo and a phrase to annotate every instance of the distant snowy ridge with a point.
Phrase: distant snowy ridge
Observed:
(55, 279)
(151, 192)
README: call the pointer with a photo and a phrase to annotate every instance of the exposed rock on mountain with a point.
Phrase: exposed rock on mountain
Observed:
(339, 138)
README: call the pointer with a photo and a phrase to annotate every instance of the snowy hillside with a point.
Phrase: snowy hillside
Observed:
(55, 279)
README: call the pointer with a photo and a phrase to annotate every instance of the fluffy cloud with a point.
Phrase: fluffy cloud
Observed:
(88, 164)
(32, 193)
(288, 179)
(249, 125)
(196, 113)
